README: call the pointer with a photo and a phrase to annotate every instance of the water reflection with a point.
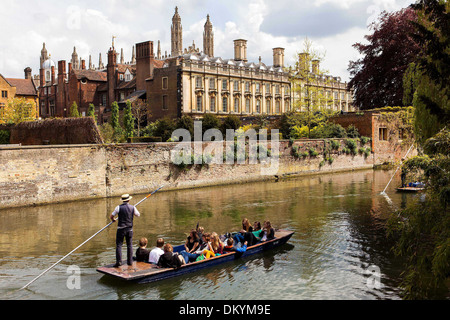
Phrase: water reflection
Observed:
(337, 218)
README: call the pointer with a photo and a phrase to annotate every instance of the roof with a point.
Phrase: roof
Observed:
(134, 96)
(91, 75)
(24, 87)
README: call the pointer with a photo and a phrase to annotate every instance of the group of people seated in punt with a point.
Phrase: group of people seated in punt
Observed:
(201, 245)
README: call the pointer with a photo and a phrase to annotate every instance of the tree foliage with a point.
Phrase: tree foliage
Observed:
(377, 77)
(128, 121)
(73, 112)
(18, 110)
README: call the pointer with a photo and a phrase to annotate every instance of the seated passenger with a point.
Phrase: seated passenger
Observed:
(257, 231)
(157, 252)
(142, 253)
(216, 244)
(268, 233)
(170, 259)
(206, 248)
(192, 242)
(230, 247)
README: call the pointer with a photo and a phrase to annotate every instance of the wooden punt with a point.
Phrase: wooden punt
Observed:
(142, 272)
(410, 189)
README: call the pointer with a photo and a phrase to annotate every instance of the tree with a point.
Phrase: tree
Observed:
(115, 115)
(431, 95)
(308, 82)
(210, 121)
(91, 111)
(186, 122)
(377, 77)
(422, 230)
(73, 112)
(141, 112)
(128, 121)
(18, 110)
(230, 122)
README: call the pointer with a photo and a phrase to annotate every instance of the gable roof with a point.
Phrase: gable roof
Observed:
(24, 87)
(91, 75)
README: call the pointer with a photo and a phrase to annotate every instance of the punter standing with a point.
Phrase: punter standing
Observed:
(126, 213)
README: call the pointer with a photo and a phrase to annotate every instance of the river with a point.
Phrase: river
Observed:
(339, 249)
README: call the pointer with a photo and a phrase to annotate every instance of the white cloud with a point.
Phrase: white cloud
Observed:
(333, 25)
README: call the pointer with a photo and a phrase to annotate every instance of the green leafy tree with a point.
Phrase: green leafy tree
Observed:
(115, 115)
(210, 121)
(73, 112)
(431, 97)
(128, 120)
(231, 122)
(91, 110)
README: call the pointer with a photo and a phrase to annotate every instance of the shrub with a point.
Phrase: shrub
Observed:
(4, 136)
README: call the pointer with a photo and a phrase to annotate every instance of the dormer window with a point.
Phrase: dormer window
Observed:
(121, 77)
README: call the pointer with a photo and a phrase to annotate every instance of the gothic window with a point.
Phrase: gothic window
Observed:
(236, 104)
(268, 88)
(212, 83)
(268, 106)
(247, 86)
(236, 86)
(225, 104)
(199, 103)
(224, 84)
(277, 106)
(198, 82)
(212, 105)
(258, 87)
(258, 106)
(277, 89)
(247, 105)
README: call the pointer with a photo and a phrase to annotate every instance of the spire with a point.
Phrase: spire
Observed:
(133, 57)
(44, 55)
(75, 61)
(176, 35)
(90, 62)
(208, 38)
(158, 55)
(100, 63)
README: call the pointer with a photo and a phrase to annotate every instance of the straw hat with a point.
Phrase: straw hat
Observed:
(126, 197)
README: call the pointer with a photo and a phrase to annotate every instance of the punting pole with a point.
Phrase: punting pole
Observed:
(384, 191)
(57, 262)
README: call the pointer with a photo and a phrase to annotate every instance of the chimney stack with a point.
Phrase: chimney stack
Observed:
(315, 66)
(83, 64)
(27, 73)
(53, 75)
(70, 67)
(278, 57)
(303, 61)
(240, 50)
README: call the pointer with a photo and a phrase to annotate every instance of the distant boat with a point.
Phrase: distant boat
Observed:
(410, 189)
(142, 272)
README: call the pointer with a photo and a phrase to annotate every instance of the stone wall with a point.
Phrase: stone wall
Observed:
(48, 174)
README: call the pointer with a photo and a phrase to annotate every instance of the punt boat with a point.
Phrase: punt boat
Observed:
(409, 189)
(142, 272)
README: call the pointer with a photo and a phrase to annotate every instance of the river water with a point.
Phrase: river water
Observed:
(339, 249)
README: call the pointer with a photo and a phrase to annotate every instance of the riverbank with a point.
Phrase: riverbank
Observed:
(35, 175)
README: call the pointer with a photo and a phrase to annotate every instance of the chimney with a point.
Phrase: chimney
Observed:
(240, 50)
(303, 61)
(70, 67)
(144, 63)
(278, 57)
(53, 75)
(27, 73)
(83, 64)
(315, 66)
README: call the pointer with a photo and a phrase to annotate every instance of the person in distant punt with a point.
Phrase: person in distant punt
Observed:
(142, 253)
(268, 233)
(170, 259)
(157, 252)
(231, 247)
(125, 213)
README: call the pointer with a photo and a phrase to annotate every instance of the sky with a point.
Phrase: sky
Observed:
(333, 26)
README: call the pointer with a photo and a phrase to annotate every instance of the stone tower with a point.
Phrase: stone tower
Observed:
(44, 55)
(208, 38)
(75, 61)
(177, 35)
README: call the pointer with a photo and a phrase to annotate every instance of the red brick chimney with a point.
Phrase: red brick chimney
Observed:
(83, 64)
(70, 67)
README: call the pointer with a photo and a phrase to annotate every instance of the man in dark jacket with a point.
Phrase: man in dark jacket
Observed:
(125, 213)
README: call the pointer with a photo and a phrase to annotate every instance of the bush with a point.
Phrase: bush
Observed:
(164, 128)
(5, 136)
(352, 132)
(351, 145)
(231, 122)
